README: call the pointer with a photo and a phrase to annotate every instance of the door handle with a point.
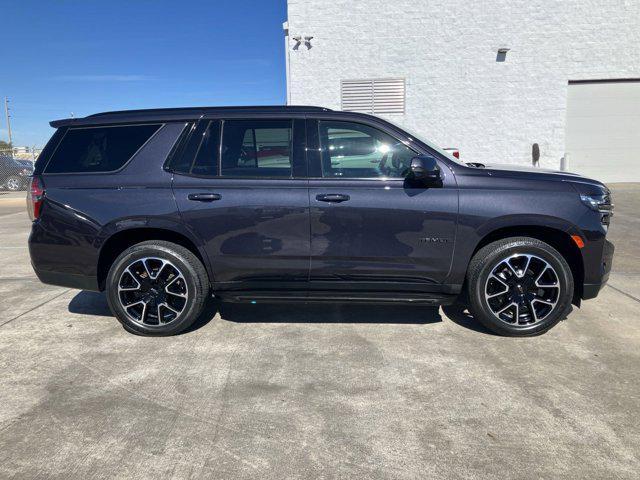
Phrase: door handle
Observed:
(332, 197)
(204, 197)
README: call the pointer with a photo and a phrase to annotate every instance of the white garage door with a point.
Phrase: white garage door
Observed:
(603, 130)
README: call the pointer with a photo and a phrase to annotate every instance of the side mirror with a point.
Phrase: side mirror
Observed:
(424, 169)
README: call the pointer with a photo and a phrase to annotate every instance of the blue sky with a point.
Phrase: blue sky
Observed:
(85, 57)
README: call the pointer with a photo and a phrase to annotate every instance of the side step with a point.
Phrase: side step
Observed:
(339, 297)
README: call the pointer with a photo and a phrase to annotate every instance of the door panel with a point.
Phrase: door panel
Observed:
(369, 226)
(252, 217)
(258, 230)
(384, 237)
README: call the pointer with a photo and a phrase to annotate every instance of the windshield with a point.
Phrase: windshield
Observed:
(430, 144)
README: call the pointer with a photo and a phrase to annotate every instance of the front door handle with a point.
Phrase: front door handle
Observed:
(204, 197)
(332, 197)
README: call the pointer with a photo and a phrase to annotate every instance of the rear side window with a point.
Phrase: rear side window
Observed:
(98, 149)
(256, 148)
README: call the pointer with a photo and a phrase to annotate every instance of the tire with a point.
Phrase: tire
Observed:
(13, 183)
(523, 271)
(160, 305)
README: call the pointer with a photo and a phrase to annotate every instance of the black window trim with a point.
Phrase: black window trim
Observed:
(319, 119)
(161, 125)
(179, 145)
(223, 120)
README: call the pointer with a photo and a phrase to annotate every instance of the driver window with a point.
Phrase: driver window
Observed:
(353, 150)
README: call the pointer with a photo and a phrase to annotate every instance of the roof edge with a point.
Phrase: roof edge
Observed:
(182, 111)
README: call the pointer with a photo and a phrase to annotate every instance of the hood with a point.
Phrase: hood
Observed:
(527, 169)
(535, 173)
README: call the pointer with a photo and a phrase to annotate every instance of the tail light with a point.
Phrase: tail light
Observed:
(453, 151)
(35, 197)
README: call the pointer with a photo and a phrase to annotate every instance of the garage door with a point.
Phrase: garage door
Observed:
(603, 130)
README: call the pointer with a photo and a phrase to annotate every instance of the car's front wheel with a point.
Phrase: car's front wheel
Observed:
(519, 286)
(13, 183)
(157, 288)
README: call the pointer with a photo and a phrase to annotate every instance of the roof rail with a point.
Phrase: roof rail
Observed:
(177, 110)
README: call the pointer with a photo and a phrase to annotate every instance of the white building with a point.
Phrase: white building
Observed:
(490, 77)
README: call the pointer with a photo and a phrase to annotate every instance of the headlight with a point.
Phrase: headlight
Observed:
(599, 203)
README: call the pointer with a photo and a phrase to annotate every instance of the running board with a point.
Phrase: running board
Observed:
(336, 297)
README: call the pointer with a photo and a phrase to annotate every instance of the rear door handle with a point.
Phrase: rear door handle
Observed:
(332, 197)
(204, 197)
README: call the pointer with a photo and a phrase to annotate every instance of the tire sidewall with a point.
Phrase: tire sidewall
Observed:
(136, 252)
(547, 253)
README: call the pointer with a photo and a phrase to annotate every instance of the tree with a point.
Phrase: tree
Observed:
(5, 148)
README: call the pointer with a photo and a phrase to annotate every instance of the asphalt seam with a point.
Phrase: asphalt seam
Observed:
(12, 214)
(624, 293)
(34, 308)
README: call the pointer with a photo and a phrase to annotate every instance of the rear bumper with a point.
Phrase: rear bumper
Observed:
(61, 259)
(69, 280)
(591, 289)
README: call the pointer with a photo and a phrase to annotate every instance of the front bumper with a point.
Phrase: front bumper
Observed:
(591, 289)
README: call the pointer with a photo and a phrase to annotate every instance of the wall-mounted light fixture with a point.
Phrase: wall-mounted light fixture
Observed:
(299, 39)
(307, 42)
(502, 54)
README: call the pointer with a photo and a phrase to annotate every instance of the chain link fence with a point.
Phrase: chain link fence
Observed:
(16, 166)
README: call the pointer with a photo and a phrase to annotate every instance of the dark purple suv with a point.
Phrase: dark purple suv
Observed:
(164, 208)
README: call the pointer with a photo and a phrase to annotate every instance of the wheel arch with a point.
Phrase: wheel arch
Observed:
(120, 240)
(559, 239)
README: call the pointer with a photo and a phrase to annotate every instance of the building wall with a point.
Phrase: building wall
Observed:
(457, 94)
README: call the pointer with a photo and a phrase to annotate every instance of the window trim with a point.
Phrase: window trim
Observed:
(161, 125)
(179, 145)
(321, 148)
(223, 120)
(195, 156)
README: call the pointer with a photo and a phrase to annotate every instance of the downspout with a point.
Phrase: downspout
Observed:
(285, 27)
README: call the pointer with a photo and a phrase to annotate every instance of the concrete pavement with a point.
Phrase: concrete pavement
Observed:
(300, 391)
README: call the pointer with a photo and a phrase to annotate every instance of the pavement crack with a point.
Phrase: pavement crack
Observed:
(624, 293)
(34, 308)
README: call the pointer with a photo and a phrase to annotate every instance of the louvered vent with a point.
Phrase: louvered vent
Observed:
(380, 96)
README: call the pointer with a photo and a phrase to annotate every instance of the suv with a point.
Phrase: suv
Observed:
(258, 204)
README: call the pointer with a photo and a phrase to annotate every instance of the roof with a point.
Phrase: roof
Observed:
(180, 113)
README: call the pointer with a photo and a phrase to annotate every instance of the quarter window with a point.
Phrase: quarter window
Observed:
(256, 148)
(206, 161)
(98, 149)
(353, 150)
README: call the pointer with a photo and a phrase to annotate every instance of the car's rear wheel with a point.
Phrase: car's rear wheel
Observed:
(157, 288)
(519, 286)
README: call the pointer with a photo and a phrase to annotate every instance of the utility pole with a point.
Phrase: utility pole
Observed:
(6, 112)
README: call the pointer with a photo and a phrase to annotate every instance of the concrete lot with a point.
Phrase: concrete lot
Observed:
(316, 392)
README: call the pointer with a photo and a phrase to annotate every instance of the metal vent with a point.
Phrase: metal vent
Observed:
(379, 96)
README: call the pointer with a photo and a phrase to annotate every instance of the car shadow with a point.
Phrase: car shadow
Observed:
(328, 313)
(459, 315)
(94, 303)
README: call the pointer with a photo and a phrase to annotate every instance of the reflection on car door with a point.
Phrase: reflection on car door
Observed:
(369, 227)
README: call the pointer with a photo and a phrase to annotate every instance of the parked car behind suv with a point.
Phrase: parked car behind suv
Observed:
(14, 174)
(161, 208)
